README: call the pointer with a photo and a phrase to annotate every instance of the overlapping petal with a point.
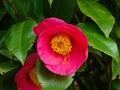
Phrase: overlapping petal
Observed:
(49, 22)
(22, 80)
(70, 63)
(55, 62)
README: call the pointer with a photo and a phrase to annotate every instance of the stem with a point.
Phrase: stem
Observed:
(15, 11)
(84, 18)
(98, 60)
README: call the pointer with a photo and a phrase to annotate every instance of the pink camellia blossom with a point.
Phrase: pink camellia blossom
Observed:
(62, 47)
(26, 78)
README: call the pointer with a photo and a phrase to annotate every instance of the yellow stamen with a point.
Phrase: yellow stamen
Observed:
(61, 44)
(32, 76)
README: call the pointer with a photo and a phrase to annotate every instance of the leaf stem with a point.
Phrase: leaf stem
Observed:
(15, 11)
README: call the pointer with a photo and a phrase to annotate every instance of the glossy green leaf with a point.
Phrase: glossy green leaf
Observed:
(98, 41)
(50, 81)
(20, 38)
(7, 66)
(98, 13)
(63, 9)
(23, 9)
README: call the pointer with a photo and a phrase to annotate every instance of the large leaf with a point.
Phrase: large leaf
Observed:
(98, 13)
(22, 9)
(19, 39)
(98, 41)
(50, 81)
(63, 9)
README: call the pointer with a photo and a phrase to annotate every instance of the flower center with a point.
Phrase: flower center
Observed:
(32, 76)
(61, 44)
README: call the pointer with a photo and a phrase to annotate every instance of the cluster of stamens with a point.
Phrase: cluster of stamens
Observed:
(61, 44)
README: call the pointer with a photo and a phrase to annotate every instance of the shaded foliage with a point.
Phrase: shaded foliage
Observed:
(98, 19)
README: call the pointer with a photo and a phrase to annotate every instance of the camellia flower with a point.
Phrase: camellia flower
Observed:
(26, 78)
(62, 47)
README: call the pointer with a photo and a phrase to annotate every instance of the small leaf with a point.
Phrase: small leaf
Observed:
(63, 9)
(19, 39)
(7, 66)
(50, 81)
(98, 41)
(6, 53)
(98, 13)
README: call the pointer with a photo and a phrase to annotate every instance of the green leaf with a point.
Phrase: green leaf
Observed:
(97, 52)
(23, 9)
(63, 9)
(6, 53)
(50, 81)
(33, 9)
(115, 68)
(97, 40)
(7, 66)
(10, 10)
(46, 8)
(117, 30)
(116, 84)
(98, 13)
(20, 38)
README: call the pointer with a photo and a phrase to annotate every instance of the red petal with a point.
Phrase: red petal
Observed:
(49, 22)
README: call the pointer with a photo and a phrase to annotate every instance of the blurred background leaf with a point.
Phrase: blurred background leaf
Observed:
(61, 9)
(101, 70)
(22, 10)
